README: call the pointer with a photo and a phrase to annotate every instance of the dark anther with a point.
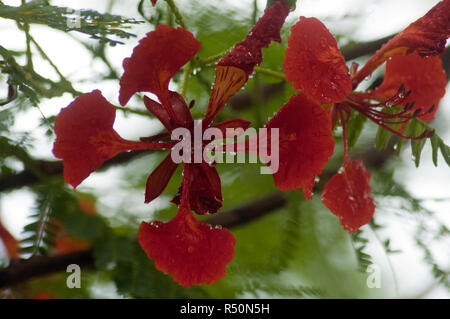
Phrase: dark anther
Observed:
(409, 105)
(191, 104)
(407, 93)
(417, 112)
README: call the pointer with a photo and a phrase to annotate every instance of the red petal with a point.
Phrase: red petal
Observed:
(305, 143)
(85, 137)
(231, 124)
(314, 64)
(423, 76)
(246, 54)
(205, 194)
(347, 195)
(154, 1)
(229, 80)
(193, 253)
(181, 111)
(155, 60)
(10, 243)
(159, 178)
(426, 36)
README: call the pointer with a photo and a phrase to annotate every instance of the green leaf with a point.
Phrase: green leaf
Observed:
(435, 147)
(89, 22)
(416, 127)
(382, 139)
(445, 151)
(354, 127)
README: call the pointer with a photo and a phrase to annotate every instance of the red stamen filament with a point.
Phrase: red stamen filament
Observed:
(384, 119)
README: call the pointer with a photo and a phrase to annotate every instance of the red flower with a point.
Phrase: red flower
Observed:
(347, 195)
(192, 252)
(11, 244)
(414, 78)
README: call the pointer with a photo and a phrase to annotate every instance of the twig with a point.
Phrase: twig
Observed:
(55, 168)
(22, 270)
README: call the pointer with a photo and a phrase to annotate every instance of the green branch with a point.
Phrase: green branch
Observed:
(178, 18)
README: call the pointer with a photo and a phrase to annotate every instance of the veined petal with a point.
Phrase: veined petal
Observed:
(426, 36)
(10, 243)
(424, 77)
(159, 178)
(347, 195)
(155, 60)
(85, 137)
(192, 252)
(233, 69)
(205, 194)
(229, 80)
(314, 64)
(305, 143)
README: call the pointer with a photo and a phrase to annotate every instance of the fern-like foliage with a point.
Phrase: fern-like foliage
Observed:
(360, 245)
(416, 128)
(17, 150)
(58, 208)
(430, 230)
(261, 285)
(98, 26)
(40, 233)
(442, 275)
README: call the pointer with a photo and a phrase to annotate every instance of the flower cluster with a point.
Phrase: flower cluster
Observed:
(196, 253)
(414, 80)
(190, 251)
